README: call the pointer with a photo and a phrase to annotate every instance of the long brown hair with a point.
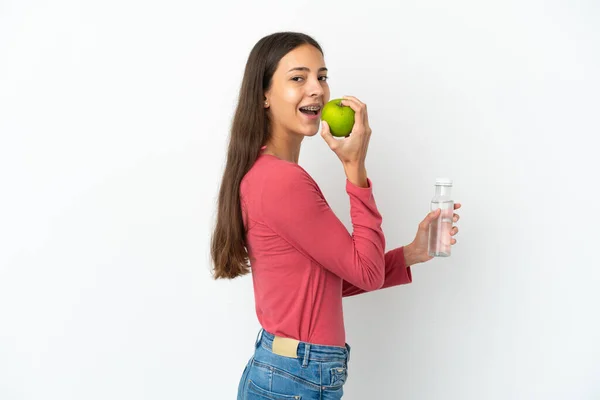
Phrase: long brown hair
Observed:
(249, 132)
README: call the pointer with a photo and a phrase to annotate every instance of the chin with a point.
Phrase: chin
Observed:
(311, 130)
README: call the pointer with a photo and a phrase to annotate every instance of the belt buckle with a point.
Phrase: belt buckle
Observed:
(286, 347)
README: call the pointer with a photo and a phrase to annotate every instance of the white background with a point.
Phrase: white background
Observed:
(114, 121)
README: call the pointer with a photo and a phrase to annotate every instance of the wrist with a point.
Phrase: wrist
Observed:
(409, 255)
(357, 174)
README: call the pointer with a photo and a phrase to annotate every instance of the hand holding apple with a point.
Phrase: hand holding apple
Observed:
(352, 149)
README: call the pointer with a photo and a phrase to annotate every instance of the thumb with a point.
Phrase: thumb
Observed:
(326, 134)
(431, 217)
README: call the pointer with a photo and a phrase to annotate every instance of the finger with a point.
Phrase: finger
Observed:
(457, 206)
(365, 116)
(429, 218)
(454, 231)
(453, 241)
(433, 215)
(326, 134)
(354, 99)
(358, 107)
(456, 217)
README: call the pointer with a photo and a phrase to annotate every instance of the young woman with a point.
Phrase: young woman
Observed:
(273, 217)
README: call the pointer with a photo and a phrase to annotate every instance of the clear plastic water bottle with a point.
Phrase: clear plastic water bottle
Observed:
(439, 230)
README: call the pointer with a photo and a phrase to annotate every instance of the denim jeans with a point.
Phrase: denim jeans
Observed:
(318, 372)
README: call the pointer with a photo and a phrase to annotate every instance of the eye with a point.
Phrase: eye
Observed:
(299, 78)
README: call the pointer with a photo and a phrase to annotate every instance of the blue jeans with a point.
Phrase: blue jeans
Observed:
(318, 372)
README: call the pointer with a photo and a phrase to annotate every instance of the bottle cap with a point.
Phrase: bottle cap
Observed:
(443, 182)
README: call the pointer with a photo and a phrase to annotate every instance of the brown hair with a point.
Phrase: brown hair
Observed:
(249, 132)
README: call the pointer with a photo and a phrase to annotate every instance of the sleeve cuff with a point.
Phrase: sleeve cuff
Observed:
(352, 186)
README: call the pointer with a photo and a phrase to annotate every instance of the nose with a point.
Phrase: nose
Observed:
(314, 88)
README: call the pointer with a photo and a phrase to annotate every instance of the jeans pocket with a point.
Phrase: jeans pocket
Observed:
(338, 376)
(255, 392)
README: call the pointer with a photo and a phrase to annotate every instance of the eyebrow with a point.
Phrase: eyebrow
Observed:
(306, 69)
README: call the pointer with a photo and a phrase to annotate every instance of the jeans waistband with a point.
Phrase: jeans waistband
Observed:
(308, 351)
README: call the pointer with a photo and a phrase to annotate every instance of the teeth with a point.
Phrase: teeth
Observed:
(311, 108)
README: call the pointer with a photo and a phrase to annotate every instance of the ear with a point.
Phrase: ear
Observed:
(266, 101)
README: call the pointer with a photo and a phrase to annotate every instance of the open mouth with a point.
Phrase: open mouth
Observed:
(310, 110)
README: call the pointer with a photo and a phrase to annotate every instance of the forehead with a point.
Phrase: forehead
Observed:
(302, 56)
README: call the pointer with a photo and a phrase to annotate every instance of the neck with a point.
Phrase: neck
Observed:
(285, 147)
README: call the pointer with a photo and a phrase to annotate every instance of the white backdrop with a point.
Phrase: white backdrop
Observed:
(114, 120)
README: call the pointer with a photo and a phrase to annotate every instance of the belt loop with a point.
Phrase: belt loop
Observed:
(306, 353)
(258, 338)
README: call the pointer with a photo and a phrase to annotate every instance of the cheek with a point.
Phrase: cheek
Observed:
(292, 96)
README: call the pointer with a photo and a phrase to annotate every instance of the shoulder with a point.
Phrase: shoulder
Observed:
(286, 173)
(270, 170)
(270, 177)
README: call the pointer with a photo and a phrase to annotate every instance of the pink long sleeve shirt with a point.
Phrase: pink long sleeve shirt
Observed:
(303, 259)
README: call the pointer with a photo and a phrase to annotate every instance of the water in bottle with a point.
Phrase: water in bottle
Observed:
(439, 230)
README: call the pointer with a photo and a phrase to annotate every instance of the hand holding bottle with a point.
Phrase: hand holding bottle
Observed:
(418, 251)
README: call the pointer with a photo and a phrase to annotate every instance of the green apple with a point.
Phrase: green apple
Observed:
(339, 118)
